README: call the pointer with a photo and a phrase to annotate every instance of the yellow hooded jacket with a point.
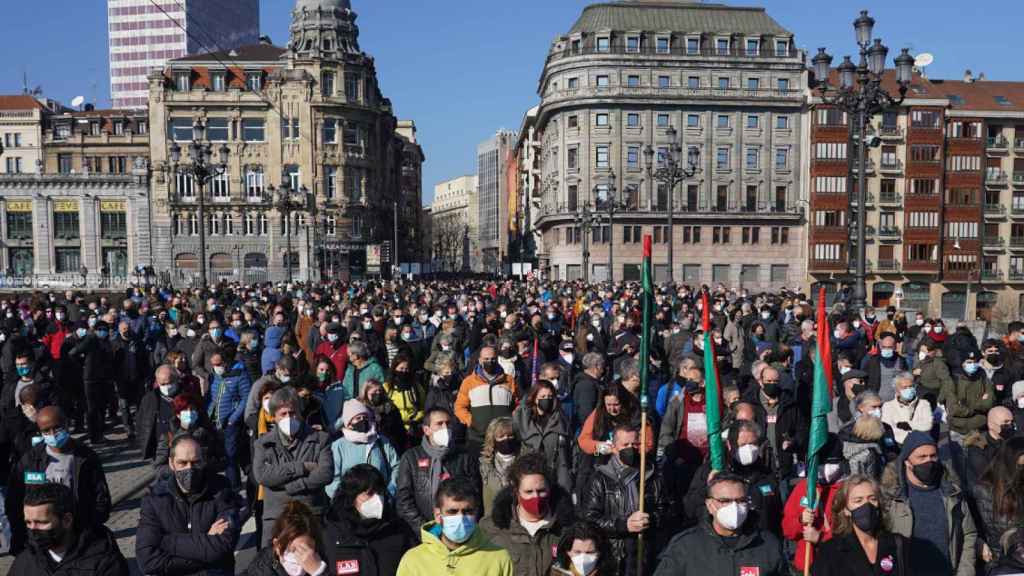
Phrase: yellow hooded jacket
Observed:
(478, 556)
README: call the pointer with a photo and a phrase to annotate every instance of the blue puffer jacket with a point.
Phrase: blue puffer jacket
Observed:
(272, 351)
(228, 393)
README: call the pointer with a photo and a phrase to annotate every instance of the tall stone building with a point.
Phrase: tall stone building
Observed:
(730, 82)
(496, 176)
(455, 217)
(21, 134)
(309, 119)
(143, 35)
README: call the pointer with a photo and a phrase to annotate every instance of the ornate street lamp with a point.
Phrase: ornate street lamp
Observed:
(861, 96)
(611, 205)
(287, 201)
(201, 170)
(586, 218)
(671, 172)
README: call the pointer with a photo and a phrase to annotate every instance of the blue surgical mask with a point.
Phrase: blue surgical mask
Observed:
(57, 440)
(254, 344)
(908, 394)
(187, 418)
(459, 528)
(101, 333)
(970, 368)
(215, 333)
(24, 370)
(887, 352)
(81, 332)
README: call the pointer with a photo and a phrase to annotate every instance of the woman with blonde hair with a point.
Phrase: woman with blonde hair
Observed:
(860, 543)
(296, 545)
(501, 446)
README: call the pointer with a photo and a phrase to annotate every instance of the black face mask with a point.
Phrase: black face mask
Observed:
(867, 517)
(857, 389)
(771, 390)
(630, 457)
(491, 366)
(995, 359)
(507, 446)
(508, 353)
(546, 405)
(403, 380)
(362, 426)
(376, 399)
(930, 473)
(1007, 431)
(46, 539)
(190, 480)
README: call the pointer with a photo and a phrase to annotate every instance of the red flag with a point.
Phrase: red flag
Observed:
(824, 341)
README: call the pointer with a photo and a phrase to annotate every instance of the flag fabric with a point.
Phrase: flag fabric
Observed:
(712, 392)
(534, 370)
(821, 402)
(645, 338)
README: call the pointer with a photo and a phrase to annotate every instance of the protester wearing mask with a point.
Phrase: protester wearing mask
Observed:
(860, 545)
(883, 366)
(292, 462)
(360, 443)
(931, 372)
(189, 418)
(156, 412)
(907, 411)
(785, 432)
(542, 427)
(423, 467)
(62, 460)
(282, 374)
(404, 390)
(362, 366)
(868, 442)
(981, 445)
(967, 398)
(210, 343)
(335, 348)
(998, 494)
(744, 459)
(387, 417)
(501, 447)
(724, 539)
(190, 503)
(1001, 373)
(362, 530)
(249, 353)
(452, 543)
(612, 503)
(443, 388)
(484, 395)
(97, 377)
(296, 546)
(229, 390)
(582, 551)
(807, 528)
(587, 387)
(529, 515)
(56, 539)
(924, 502)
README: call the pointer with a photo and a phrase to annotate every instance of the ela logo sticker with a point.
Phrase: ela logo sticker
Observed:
(35, 478)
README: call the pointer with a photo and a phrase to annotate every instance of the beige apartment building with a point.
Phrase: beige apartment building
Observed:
(454, 217)
(21, 134)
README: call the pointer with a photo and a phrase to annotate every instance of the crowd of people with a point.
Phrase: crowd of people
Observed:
(499, 427)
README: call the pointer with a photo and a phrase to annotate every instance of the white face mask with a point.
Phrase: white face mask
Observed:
(441, 438)
(877, 413)
(568, 358)
(373, 508)
(266, 405)
(831, 472)
(289, 426)
(168, 390)
(922, 355)
(292, 565)
(732, 516)
(747, 454)
(844, 369)
(1020, 402)
(919, 321)
(584, 563)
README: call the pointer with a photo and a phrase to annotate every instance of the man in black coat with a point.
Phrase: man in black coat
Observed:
(189, 521)
(586, 390)
(49, 518)
(423, 467)
(724, 542)
(97, 376)
(59, 459)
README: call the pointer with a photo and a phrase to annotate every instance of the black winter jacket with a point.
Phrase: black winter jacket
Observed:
(765, 498)
(172, 534)
(88, 488)
(98, 365)
(155, 415)
(413, 499)
(700, 550)
(266, 564)
(374, 547)
(94, 553)
(844, 556)
(789, 426)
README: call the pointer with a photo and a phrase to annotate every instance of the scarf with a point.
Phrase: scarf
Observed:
(629, 477)
(437, 454)
(262, 427)
(502, 462)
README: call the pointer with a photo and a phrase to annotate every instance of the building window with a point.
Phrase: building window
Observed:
(633, 81)
(19, 225)
(352, 83)
(254, 184)
(253, 130)
(603, 44)
(64, 165)
(327, 84)
(633, 157)
(185, 186)
(602, 81)
(264, 224)
(751, 235)
(664, 81)
(781, 157)
(250, 224)
(632, 44)
(62, 132)
(753, 158)
(753, 83)
(693, 82)
(723, 83)
(69, 260)
(183, 81)
(65, 225)
(783, 84)
(331, 226)
(722, 46)
(293, 176)
(691, 234)
(693, 120)
(722, 158)
(117, 164)
(633, 120)
(720, 234)
(350, 134)
(923, 187)
(923, 252)
(663, 120)
(573, 121)
(221, 189)
(782, 122)
(723, 120)
(780, 273)
(828, 252)
(693, 45)
(354, 183)
(219, 81)
(780, 235)
(330, 182)
(573, 197)
(574, 83)
(13, 165)
(217, 129)
(330, 131)
(113, 225)
(663, 44)
(781, 48)
(753, 122)
(572, 158)
(254, 81)
(925, 119)
(602, 119)
(289, 128)
(602, 156)
(753, 47)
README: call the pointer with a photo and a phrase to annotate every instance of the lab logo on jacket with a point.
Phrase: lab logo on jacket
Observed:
(346, 567)
(750, 571)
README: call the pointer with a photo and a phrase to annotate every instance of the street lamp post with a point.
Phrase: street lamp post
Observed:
(611, 205)
(860, 94)
(201, 170)
(586, 218)
(671, 173)
(287, 203)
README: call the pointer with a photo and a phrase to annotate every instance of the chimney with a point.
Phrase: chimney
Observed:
(265, 41)
(981, 77)
(968, 78)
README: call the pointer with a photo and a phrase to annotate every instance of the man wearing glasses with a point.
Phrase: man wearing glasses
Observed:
(724, 540)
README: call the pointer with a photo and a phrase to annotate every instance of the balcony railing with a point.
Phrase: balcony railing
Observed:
(997, 143)
(887, 132)
(995, 177)
(994, 242)
(891, 165)
(1018, 178)
(1017, 242)
(647, 49)
(990, 275)
(890, 198)
(889, 232)
(995, 209)
(870, 198)
(889, 265)
(619, 91)
(1016, 275)
(1018, 143)
(761, 208)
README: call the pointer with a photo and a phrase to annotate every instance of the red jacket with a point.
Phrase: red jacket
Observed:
(338, 357)
(55, 339)
(793, 530)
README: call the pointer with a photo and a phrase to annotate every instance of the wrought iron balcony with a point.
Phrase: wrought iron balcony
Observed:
(889, 232)
(1018, 178)
(890, 132)
(995, 209)
(997, 143)
(994, 242)
(890, 198)
(888, 266)
(895, 165)
(1016, 275)
(1017, 242)
(995, 177)
(991, 275)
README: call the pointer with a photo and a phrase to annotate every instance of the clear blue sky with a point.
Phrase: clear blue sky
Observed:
(464, 68)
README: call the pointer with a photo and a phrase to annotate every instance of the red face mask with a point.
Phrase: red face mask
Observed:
(537, 506)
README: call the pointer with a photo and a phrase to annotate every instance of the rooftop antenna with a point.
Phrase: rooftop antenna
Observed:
(922, 61)
(78, 101)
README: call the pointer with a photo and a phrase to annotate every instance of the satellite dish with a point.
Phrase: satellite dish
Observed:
(923, 59)
(78, 101)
